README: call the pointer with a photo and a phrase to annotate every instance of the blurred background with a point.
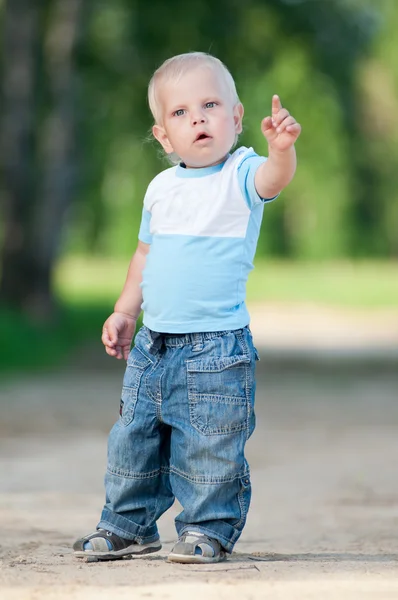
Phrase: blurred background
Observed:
(76, 157)
(76, 154)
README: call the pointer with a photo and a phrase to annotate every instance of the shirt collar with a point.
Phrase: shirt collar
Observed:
(185, 173)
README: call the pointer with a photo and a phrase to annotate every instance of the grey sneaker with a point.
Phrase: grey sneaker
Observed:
(194, 547)
(105, 545)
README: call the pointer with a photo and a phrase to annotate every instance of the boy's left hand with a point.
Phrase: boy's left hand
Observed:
(280, 130)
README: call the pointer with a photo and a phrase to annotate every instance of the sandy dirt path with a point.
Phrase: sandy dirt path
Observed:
(324, 516)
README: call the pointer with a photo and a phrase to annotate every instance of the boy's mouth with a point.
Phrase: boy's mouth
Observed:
(202, 136)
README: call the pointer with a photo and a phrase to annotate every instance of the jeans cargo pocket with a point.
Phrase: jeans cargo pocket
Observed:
(219, 392)
(136, 365)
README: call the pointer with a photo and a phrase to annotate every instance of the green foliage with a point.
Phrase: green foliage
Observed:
(26, 344)
(329, 62)
(308, 220)
(334, 64)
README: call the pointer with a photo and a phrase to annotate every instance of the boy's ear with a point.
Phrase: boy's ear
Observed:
(238, 117)
(160, 134)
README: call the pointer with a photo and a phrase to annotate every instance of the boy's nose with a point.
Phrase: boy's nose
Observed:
(196, 119)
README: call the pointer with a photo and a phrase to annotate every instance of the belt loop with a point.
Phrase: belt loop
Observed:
(155, 342)
(197, 342)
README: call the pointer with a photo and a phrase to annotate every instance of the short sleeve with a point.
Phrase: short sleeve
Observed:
(144, 234)
(246, 173)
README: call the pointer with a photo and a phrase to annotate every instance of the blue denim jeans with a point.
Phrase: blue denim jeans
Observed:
(186, 412)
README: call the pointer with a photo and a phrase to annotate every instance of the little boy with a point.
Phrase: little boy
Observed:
(187, 406)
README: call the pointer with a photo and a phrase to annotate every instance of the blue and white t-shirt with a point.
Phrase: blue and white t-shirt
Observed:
(203, 226)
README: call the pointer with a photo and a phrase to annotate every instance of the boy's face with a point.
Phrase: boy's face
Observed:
(199, 122)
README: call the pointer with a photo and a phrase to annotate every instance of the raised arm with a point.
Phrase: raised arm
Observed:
(281, 131)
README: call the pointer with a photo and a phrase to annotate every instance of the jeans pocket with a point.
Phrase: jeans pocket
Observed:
(219, 392)
(136, 365)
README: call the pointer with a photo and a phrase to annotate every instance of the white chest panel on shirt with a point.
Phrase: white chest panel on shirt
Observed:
(208, 206)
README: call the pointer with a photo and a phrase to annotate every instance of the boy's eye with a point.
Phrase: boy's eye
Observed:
(179, 112)
(210, 104)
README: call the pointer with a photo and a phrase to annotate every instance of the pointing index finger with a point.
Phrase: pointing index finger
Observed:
(276, 104)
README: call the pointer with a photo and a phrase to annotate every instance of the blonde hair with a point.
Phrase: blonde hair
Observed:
(177, 66)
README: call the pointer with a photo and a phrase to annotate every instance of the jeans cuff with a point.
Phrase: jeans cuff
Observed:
(127, 529)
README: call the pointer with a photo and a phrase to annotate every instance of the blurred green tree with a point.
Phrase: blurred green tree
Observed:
(37, 145)
(75, 162)
(307, 51)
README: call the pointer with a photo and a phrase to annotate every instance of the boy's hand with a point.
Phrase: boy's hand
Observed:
(117, 335)
(281, 130)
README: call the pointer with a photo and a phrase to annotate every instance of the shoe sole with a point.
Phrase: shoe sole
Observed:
(196, 558)
(129, 552)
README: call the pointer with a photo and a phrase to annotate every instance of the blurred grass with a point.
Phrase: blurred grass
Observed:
(88, 287)
(344, 284)
(368, 285)
(28, 345)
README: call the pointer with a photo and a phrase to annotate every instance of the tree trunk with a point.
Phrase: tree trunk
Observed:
(28, 266)
(58, 141)
(20, 43)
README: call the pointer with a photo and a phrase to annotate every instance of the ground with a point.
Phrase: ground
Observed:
(324, 516)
